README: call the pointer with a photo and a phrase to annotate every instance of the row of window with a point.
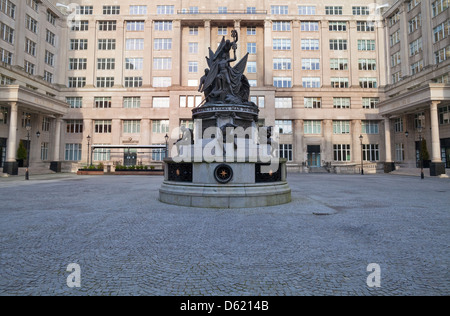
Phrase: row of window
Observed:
(315, 82)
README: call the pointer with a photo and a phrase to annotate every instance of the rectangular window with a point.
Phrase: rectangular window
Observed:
(160, 126)
(286, 152)
(281, 26)
(161, 102)
(282, 82)
(284, 126)
(80, 26)
(131, 126)
(367, 64)
(134, 44)
(7, 33)
(310, 44)
(342, 153)
(337, 26)
(339, 64)
(84, 10)
(105, 82)
(162, 82)
(282, 64)
(78, 44)
(31, 24)
(251, 10)
(44, 151)
(394, 38)
(193, 48)
(163, 25)
(50, 38)
(75, 102)
(133, 82)
(364, 26)
(251, 30)
(165, 9)
(370, 103)
(134, 63)
(371, 152)
(415, 23)
(417, 67)
(360, 10)
(333, 10)
(107, 26)
(281, 44)
(308, 26)
(162, 63)
(193, 30)
(102, 127)
(396, 59)
(366, 45)
(444, 115)
(251, 67)
(439, 6)
(370, 127)
(251, 48)
(135, 26)
(73, 152)
(193, 67)
(259, 101)
(311, 64)
(132, 102)
(138, 9)
(74, 126)
(45, 124)
(30, 68)
(313, 127)
(111, 10)
(399, 152)
(441, 31)
(77, 63)
(190, 101)
(306, 10)
(398, 125)
(106, 63)
(415, 47)
(5, 56)
(223, 10)
(222, 30)
(30, 47)
(442, 55)
(338, 82)
(341, 103)
(368, 83)
(162, 44)
(338, 44)
(102, 154)
(313, 103)
(341, 127)
(106, 44)
(279, 9)
(48, 76)
(9, 8)
(311, 82)
(283, 103)
(102, 102)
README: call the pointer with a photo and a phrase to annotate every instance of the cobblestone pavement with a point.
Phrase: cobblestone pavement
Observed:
(128, 243)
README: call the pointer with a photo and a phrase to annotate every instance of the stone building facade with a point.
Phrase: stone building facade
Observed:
(127, 73)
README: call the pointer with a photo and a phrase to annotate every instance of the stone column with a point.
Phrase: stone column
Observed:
(11, 166)
(389, 165)
(268, 54)
(55, 165)
(176, 63)
(297, 62)
(437, 167)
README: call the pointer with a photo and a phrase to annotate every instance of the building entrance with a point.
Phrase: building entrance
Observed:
(445, 151)
(130, 158)
(314, 160)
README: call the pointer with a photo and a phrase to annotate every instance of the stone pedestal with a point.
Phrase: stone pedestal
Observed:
(437, 169)
(389, 167)
(11, 168)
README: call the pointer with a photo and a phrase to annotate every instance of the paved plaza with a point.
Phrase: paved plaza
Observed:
(128, 243)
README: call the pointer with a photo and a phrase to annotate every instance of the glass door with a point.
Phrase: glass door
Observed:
(314, 160)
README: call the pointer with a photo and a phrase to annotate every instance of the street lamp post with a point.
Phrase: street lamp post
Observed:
(362, 155)
(167, 145)
(27, 173)
(89, 151)
(420, 130)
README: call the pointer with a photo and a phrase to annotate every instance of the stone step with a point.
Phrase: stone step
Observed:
(318, 170)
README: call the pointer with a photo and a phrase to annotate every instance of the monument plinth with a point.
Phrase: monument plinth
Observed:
(226, 161)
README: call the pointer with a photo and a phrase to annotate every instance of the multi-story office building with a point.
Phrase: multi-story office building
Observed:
(127, 73)
(416, 105)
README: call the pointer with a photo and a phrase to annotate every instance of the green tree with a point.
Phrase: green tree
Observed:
(22, 152)
(424, 155)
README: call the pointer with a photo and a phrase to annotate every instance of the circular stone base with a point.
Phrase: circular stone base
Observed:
(225, 196)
